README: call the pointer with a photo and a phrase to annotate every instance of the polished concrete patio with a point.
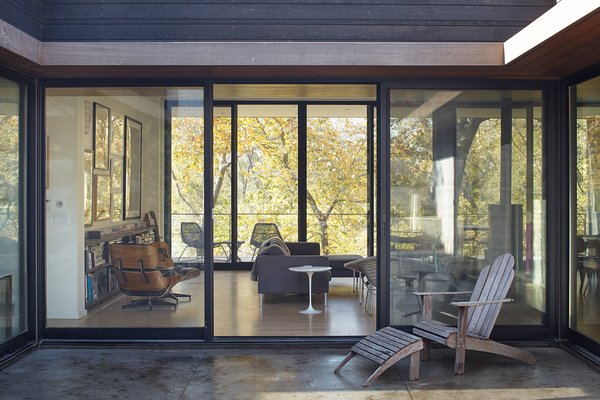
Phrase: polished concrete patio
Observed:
(291, 373)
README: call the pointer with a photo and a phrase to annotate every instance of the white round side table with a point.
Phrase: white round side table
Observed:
(310, 270)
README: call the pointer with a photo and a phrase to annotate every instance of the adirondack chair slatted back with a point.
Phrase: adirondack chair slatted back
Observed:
(492, 284)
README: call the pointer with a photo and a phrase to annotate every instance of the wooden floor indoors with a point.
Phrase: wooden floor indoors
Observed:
(237, 312)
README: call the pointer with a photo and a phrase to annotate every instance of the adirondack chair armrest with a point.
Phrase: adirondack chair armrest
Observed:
(479, 303)
(438, 293)
(426, 302)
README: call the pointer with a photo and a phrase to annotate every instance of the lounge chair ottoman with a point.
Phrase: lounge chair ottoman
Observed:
(386, 347)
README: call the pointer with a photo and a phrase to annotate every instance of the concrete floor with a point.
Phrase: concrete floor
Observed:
(281, 374)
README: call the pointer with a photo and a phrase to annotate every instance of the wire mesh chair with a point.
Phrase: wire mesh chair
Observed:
(261, 232)
(368, 266)
(192, 236)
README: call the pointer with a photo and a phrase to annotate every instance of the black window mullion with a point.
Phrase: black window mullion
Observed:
(370, 179)
(234, 183)
(167, 173)
(208, 214)
(383, 208)
(302, 171)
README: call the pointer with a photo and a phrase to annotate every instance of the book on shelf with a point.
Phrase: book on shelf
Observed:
(89, 288)
(97, 256)
(89, 260)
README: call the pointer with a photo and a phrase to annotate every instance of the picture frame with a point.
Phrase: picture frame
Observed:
(132, 181)
(101, 137)
(88, 187)
(101, 197)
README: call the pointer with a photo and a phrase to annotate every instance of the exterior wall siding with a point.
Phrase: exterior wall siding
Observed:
(27, 15)
(283, 20)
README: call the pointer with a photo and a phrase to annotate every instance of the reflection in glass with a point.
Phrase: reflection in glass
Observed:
(88, 186)
(585, 286)
(102, 200)
(466, 183)
(13, 306)
(117, 135)
(133, 168)
(223, 251)
(116, 188)
(101, 136)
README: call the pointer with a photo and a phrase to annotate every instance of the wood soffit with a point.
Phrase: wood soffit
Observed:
(573, 49)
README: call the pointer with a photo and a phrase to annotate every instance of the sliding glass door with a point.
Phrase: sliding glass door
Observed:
(125, 212)
(466, 185)
(584, 289)
(302, 171)
(13, 275)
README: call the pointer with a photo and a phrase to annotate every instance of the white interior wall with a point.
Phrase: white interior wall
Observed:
(65, 275)
(64, 208)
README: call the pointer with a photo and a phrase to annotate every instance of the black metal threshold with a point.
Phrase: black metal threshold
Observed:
(591, 359)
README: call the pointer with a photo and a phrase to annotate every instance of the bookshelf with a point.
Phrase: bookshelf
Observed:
(100, 281)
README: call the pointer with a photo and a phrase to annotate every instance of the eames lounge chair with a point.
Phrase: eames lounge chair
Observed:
(140, 274)
(476, 317)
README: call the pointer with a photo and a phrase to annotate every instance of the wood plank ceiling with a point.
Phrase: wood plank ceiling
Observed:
(575, 49)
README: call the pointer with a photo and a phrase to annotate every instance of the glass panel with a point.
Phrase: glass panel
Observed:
(107, 193)
(585, 287)
(466, 187)
(267, 178)
(187, 183)
(337, 178)
(13, 285)
(223, 250)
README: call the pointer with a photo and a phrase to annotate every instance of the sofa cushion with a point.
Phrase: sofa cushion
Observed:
(304, 248)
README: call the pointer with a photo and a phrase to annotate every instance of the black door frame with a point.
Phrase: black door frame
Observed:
(568, 126)
(554, 237)
(31, 224)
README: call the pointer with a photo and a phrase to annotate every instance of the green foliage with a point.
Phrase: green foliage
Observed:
(9, 176)
(267, 178)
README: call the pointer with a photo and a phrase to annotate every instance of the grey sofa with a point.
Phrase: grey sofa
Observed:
(271, 270)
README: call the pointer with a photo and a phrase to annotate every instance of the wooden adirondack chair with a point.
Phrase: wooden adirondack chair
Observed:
(476, 318)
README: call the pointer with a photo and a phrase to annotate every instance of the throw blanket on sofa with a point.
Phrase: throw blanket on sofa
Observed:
(273, 246)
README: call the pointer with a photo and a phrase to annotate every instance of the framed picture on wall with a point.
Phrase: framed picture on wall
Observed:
(101, 197)
(101, 136)
(88, 186)
(132, 187)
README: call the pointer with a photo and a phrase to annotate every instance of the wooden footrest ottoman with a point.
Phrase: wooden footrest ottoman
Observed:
(386, 347)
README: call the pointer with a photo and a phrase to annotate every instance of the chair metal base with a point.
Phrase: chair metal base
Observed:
(148, 302)
(177, 296)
